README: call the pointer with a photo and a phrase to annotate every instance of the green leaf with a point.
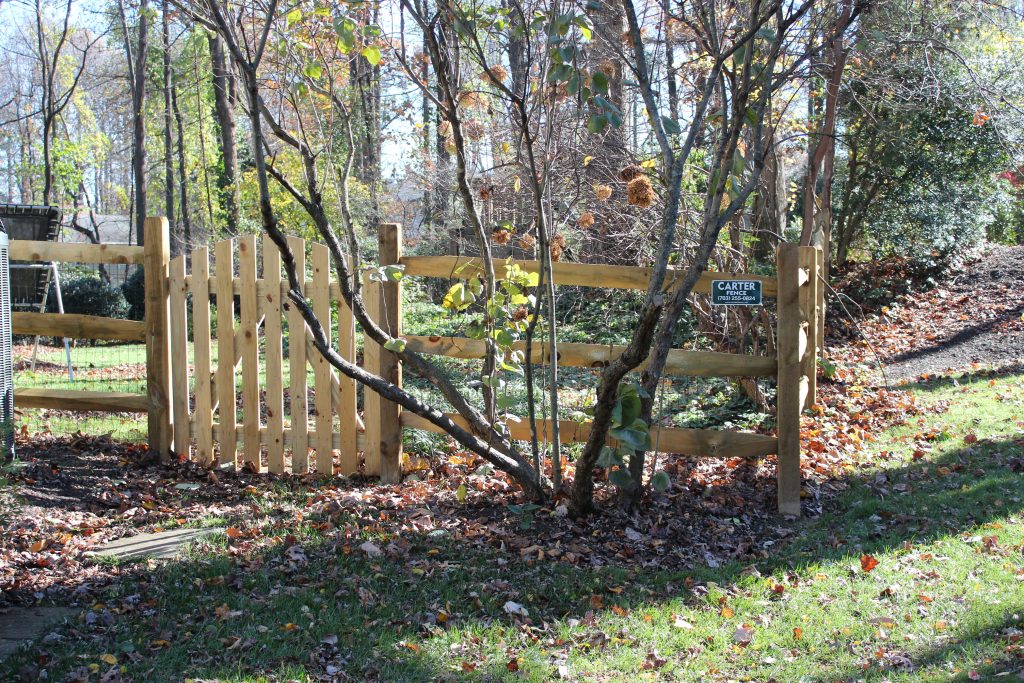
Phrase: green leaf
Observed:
(313, 71)
(671, 126)
(346, 30)
(372, 54)
(394, 273)
(609, 456)
(620, 478)
(458, 298)
(597, 123)
(600, 81)
(660, 481)
(626, 410)
(293, 17)
(396, 345)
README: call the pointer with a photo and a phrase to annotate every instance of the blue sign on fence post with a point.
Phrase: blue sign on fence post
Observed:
(736, 292)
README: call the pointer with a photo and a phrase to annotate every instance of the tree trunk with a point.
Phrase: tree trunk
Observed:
(139, 121)
(227, 180)
(176, 237)
(186, 220)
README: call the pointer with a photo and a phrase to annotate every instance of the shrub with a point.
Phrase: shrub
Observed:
(89, 295)
(134, 290)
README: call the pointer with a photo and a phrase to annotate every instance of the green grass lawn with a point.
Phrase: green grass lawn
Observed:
(937, 504)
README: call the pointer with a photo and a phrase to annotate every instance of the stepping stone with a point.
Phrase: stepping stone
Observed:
(25, 624)
(163, 545)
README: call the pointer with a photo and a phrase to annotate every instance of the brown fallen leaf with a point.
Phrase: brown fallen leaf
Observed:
(868, 562)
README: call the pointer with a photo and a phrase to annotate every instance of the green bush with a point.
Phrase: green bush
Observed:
(89, 295)
(134, 290)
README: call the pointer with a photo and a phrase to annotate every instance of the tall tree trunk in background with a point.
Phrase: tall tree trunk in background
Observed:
(139, 120)
(516, 48)
(770, 205)
(429, 177)
(817, 209)
(610, 153)
(176, 237)
(366, 78)
(444, 178)
(186, 221)
(225, 113)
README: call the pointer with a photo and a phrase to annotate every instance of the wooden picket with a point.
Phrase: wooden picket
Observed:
(298, 407)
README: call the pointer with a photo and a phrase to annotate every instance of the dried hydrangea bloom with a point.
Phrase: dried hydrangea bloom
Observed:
(602, 192)
(494, 74)
(629, 172)
(501, 236)
(640, 192)
(586, 220)
(527, 241)
(557, 247)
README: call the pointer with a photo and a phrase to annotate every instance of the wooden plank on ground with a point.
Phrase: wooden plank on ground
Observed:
(692, 442)
(77, 326)
(249, 324)
(181, 441)
(274, 350)
(297, 336)
(577, 274)
(201, 338)
(224, 271)
(321, 296)
(67, 399)
(69, 252)
(680, 362)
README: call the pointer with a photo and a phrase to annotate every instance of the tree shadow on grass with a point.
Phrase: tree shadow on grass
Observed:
(305, 600)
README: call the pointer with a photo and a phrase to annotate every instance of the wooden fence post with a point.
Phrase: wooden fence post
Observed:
(156, 260)
(390, 253)
(809, 260)
(792, 340)
(821, 291)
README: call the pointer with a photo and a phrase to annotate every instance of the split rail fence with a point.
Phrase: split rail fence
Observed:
(271, 426)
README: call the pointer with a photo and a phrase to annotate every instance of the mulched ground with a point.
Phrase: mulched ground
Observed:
(972, 315)
(75, 494)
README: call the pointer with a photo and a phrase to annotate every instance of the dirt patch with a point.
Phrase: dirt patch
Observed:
(973, 317)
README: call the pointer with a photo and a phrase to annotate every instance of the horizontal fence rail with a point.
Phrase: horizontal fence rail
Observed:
(576, 274)
(77, 326)
(575, 355)
(66, 252)
(70, 399)
(80, 326)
